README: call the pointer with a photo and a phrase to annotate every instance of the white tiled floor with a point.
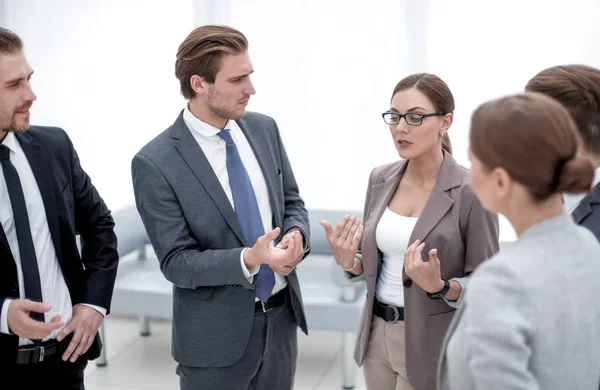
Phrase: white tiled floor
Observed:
(145, 363)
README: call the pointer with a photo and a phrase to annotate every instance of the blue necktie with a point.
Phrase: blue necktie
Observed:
(247, 212)
(29, 264)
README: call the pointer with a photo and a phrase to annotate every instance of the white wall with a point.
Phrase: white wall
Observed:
(104, 71)
(326, 80)
(485, 49)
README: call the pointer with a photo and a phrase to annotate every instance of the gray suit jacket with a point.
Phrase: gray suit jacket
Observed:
(198, 239)
(531, 318)
(454, 222)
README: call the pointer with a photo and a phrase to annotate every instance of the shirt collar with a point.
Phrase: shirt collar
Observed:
(10, 141)
(203, 128)
(596, 177)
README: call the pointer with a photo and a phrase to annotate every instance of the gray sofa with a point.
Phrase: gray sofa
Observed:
(331, 301)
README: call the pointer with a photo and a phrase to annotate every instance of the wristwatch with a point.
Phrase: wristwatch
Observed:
(440, 294)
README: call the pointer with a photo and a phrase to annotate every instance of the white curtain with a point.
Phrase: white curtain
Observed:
(104, 70)
(325, 70)
(484, 50)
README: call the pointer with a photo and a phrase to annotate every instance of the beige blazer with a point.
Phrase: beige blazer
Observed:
(454, 222)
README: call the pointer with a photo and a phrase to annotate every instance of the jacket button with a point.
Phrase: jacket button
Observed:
(407, 282)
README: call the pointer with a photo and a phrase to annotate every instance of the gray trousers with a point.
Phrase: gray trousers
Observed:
(269, 362)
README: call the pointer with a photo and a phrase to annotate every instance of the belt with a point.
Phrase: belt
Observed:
(273, 301)
(388, 313)
(31, 354)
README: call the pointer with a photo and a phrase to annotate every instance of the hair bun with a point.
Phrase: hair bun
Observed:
(576, 176)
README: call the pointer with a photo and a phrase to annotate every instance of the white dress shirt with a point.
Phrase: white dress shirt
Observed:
(215, 151)
(54, 289)
(573, 200)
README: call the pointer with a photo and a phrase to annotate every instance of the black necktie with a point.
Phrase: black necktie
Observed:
(29, 265)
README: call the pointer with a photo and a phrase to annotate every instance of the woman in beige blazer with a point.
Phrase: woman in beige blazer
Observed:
(424, 232)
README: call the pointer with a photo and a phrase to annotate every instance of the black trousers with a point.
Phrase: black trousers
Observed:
(53, 373)
(269, 362)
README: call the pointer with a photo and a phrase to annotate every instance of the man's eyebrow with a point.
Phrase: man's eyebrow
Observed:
(241, 76)
(15, 81)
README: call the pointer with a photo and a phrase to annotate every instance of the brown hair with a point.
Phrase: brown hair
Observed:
(436, 90)
(10, 43)
(577, 87)
(535, 139)
(201, 52)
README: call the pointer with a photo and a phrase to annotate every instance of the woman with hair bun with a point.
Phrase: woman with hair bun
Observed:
(531, 318)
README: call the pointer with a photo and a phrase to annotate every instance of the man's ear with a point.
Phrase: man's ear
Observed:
(198, 84)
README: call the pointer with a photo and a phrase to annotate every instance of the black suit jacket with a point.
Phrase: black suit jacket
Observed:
(73, 207)
(587, 213)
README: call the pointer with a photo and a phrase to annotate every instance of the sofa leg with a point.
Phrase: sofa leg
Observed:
(145, 326)
(101, 361)
(348, 364)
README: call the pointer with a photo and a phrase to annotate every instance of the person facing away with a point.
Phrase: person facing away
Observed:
(215, 192)
(530, 319)
(424, 233)
(577, 87)
(52, 298)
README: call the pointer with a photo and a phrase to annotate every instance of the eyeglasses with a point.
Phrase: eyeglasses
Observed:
(411, 118)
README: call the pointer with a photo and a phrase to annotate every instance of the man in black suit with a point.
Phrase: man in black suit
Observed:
(577, 87)
(52, 299)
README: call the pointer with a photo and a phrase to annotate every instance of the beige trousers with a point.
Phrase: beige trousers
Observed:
(384, 366)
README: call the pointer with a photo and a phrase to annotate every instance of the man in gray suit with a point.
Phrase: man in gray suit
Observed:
(215, 192)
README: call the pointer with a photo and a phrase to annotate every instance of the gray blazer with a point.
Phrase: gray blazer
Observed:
(198, 239)
(531, 317)
(454, 222)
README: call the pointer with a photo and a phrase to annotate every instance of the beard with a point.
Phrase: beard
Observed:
(12, 124)
(21, 127)
(222, 111)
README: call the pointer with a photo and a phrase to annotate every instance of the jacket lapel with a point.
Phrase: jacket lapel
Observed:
(585, 206)
(439, 201)
(381, 193)
(191, 152)
(39, 166)
(4, 247)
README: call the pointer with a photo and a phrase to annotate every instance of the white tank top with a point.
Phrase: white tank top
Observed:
(392, 235)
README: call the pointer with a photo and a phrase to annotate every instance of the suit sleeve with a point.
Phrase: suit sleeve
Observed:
(498, 322)
(481, 242)
(181, 260)
(295, 214)
(95, 226)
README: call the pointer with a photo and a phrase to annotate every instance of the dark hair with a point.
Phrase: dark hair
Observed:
(577, 87)
(201, 52)
(10, 43)
(535, 139)
(436, 90)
